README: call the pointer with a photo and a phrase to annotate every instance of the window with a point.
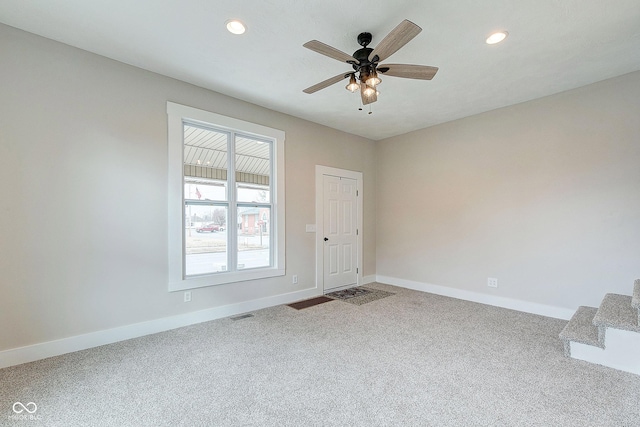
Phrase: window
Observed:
(226, 199)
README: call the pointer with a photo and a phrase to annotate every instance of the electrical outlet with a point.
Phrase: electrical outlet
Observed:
(187, 296)
(492, 282)
(294, 279)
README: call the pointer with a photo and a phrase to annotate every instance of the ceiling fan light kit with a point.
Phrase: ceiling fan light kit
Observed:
(365, 62)
(353, 85)
(368, 94)
(373, 79)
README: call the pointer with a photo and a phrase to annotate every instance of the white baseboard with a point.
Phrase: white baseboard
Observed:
(368, 279)
(513, 304)
(30, 353)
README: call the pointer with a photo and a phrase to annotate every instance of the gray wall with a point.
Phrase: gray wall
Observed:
(83, 179)
(544, 196)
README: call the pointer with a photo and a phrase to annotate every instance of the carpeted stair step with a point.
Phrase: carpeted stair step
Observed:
(581, 329)
(617, 312)
(635, 301)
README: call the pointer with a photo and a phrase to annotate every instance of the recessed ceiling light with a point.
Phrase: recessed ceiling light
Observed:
(497, 37)
(236, 27)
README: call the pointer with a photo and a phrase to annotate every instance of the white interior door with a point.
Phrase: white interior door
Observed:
(340, 225)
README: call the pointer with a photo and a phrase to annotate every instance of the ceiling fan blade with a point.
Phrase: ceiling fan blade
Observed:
(397, 38)
(408, 71)
(329, 51)
(327, 83)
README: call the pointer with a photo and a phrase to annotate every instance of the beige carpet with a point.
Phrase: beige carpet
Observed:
(412, 359)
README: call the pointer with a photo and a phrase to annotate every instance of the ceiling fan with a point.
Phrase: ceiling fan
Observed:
(365, 62)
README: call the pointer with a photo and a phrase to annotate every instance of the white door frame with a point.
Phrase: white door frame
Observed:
(320, 172)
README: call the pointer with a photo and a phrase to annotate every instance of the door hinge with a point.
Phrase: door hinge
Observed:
(356, 271)
(357, 231)
(356, 193)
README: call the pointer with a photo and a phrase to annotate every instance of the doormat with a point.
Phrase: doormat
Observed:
(359, 295)
(309, 302)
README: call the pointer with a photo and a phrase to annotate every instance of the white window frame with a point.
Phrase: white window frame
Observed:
(177, 114)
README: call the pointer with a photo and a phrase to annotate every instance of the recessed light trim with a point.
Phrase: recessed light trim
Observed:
(497, 37)
(235, 27)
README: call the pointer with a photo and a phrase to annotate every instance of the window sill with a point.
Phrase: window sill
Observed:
(223, 278)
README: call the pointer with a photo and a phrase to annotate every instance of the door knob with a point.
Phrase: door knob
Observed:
(326, 238)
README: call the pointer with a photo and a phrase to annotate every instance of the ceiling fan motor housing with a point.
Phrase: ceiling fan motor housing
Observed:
(364, 39)
(362, 56)
(362, 63)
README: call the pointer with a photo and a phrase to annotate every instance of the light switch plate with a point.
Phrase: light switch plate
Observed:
(311, 228)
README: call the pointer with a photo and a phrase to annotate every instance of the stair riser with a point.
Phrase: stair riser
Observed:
(620, 352)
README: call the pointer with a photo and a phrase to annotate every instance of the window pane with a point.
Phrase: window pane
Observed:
(255, 194)
(254, 235)
(205, 158)
(253, 169)
(199, 189)
(205, 239)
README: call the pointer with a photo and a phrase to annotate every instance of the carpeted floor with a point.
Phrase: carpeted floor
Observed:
(414, 359)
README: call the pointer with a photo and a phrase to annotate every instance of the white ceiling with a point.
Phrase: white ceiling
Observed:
(554, 45)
